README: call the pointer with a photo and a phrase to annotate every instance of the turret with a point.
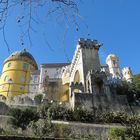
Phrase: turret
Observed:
(114, 67)
(15, 75)
(127, 74)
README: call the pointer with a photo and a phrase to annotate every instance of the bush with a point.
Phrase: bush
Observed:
(21, 118)
(116, 134)
(130, 132)
(2, 131)
(38, 98)
(83, 115)
(59, 112)
(113, 117)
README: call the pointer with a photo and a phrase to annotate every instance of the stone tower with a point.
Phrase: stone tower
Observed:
(86, 58)
(127, 74)
(114, 67)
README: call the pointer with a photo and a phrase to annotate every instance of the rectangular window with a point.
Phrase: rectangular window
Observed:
(25, 66)
(35, 79)
(21, 87)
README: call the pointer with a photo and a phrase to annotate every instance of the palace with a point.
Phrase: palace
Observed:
(78, 82)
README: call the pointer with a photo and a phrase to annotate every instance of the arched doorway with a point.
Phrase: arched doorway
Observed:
(99, 85)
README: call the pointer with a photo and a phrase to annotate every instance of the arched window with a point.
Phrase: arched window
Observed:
(114, 62)
(9, 64)
(6, 78)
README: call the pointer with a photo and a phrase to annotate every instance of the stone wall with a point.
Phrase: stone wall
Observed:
(85, 129)
(3, 108)
(103, 102)
(76, 129)
(4, 121)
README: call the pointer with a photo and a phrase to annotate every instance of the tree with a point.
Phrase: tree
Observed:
(30, 14)
(132, 90)
(136, 84)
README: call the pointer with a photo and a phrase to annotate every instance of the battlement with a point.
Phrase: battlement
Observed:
(89, 43)
(126, 70)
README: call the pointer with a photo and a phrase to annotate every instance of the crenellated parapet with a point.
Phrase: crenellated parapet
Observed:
(83, 44)
(88, 43)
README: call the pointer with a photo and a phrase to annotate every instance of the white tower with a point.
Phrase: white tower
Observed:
(114, 67)
(127, 74)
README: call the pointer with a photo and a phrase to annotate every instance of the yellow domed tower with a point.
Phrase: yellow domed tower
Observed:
(16, 73)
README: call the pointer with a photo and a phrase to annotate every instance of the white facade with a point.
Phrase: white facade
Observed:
(53, 71)
(85, 74)
(34, 84)
(114, 68)
(127, 74)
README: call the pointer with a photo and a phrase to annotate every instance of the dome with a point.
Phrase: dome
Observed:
(111, 56)
(22, 53)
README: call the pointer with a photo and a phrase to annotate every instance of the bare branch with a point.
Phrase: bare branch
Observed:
(67, 8)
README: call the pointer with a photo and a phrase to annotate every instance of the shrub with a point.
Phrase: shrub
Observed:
(116, 134)
(38, 98)
(113, 117)
(59, 112)
(21, 118)
(2, 131)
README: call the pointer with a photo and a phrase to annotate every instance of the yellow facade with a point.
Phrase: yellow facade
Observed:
(16, 74)
(64, 95)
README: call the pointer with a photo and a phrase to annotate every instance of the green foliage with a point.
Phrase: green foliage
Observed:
(133, 127)
(130, 132)
(116, 133)
(83, 115)
(123, 88)
(135, 86)
(113, 117)
(47, 129)
(59, 112)
(132, 90)
(5, 131)
(38, 98)
(21, 118)
(2, 131)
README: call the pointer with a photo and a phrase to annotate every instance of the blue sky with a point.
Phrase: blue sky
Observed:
(115, 23)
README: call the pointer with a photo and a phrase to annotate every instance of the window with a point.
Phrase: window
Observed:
(9, 64)
(117, 74)
(21, 87)
(3, 86)
(35, 78)
(6, 78)
(22, 79)
(25, 66)
(31, 78)
(114, 62)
